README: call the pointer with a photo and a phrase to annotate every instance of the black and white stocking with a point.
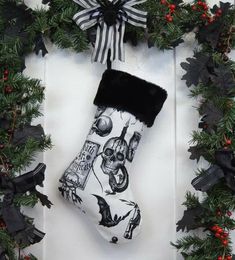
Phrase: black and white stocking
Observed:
(97, 181)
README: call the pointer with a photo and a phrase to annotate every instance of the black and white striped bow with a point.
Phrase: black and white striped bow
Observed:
(110, 17)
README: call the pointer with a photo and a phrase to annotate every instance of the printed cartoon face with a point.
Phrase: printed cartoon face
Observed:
(114, 155)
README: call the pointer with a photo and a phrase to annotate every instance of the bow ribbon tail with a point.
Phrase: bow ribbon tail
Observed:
(103, 43)
(117, 48)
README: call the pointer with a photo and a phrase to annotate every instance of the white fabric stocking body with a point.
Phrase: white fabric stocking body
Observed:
(97, 181)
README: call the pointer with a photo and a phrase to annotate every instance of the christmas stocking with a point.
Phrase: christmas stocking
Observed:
(97, 181)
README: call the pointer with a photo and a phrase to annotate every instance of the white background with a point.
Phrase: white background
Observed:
(161, 172)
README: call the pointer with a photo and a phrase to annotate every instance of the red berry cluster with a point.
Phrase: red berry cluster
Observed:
(227, 142)
(7, 89)
(5, 74)
(228, 257)
(27, 257)
(171, 10)
(220, 234)
(203, 8)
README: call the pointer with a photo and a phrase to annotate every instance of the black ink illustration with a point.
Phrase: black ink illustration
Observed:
(114, 240)
(134, 220)
(69, 185)
(79, 170)
(113, 159)
(102, 126)
(107, 220)
(99, 111)
(133, 144)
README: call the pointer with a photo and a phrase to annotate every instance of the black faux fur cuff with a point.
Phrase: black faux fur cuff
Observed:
(126, 92)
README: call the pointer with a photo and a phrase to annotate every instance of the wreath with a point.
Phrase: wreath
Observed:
(209, 75)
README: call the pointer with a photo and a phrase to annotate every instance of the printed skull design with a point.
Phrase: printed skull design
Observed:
(102, 126)
(113, 159)
(114, 155)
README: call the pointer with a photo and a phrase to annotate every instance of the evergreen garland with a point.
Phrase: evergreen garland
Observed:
(20, 140)
(209, 74)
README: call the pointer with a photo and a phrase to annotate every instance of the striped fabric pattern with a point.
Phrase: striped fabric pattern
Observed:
(109, 37)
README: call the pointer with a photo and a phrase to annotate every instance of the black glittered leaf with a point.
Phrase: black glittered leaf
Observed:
(210, 33)
(40, 45)
(190, 219)
(196, 152)
(211, 116)
(196, 69)
(206, 180)
(223, 79)
(21, 135)
(18, 17)
(43, 199)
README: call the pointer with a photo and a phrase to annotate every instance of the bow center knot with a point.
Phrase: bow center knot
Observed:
(110, 15)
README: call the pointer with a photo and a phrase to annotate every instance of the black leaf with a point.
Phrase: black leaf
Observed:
(18, 17)
(43, 199)
(223, 79)
(28, 236)
(211, 116)
(21, 135)
(196, 152)
(208, 178)
(210, 33)
(190, 219)
(40, 45)
(197, 69)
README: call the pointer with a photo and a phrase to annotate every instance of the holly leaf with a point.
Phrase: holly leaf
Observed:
(196, 69)
(211, 116)
(196, 152)
(223, 79)
(21, 135)
(210, 33)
